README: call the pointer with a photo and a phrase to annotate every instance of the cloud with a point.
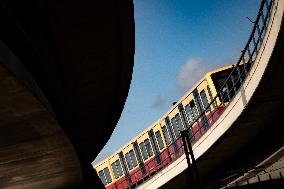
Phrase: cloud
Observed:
(191, 72)
(159, 102)
(187, 76)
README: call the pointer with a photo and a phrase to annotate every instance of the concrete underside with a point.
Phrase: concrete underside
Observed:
(34, 150)
(66, 68)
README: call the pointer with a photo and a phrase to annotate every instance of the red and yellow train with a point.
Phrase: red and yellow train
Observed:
(160, 143)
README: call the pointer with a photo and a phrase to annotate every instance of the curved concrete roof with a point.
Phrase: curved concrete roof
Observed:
(76, 59)
(34, 150)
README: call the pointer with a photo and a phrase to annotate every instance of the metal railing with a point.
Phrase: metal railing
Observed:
(208, 116)
(238, 74)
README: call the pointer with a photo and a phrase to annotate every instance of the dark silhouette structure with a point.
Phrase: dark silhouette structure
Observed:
(65, 72)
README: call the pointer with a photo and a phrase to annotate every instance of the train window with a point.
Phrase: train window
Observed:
(133, 158)
(175, 127)
(166, 135)
(219, 79)
(117, 170)
(189, 113)
(193, 109)
(143, 150)
(114, 170)
(197, 101)
(102, 177)
(211, 97)
(107, 175)
(148, 147)
(204, 100)
(130, 159)
(178, 121)
(137, 152)
(159, 139)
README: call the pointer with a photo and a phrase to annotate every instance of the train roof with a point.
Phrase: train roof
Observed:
(163, 117)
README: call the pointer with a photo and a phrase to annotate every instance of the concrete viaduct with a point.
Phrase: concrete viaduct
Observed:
(245, 147)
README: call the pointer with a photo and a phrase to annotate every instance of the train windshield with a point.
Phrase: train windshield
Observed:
(233, 83)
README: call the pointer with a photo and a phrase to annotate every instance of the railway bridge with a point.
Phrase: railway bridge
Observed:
(244, 148)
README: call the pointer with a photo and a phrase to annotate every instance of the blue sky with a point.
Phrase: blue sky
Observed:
(177, 41)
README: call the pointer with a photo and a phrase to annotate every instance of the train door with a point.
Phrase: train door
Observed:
(186, 120)
(124, 167)
(155, 147)
(139, 158)
(168, 125)
(199, 107)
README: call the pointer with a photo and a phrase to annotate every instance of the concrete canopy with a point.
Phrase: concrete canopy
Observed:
(74, 60)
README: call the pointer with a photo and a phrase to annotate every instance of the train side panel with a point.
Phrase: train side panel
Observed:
(160, 144)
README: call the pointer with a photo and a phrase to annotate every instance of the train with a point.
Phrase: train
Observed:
(160, 144)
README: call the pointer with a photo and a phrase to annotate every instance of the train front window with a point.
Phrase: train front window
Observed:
(159, 139)
(166, 135)
(232, 84)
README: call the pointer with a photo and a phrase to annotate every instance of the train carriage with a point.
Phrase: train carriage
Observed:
(148, 150)
(105, 173)
(160, 144)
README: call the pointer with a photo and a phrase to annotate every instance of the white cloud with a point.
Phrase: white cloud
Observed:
(191, 72)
